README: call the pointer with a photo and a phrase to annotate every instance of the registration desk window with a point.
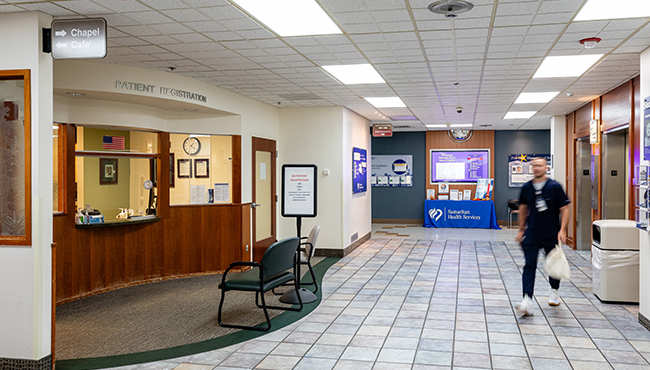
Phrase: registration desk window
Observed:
(200, 169)
(116, 171)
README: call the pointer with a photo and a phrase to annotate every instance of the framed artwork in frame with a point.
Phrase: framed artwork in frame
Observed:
(202, 168)
(108, 171)
(184, 168)
(172, 164)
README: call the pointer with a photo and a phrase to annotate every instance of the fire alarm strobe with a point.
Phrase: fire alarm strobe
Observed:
(590, 42)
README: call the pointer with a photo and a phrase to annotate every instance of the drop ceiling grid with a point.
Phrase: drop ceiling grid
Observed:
(161, 33)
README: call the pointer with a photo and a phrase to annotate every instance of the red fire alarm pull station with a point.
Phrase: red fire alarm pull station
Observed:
(382, 130)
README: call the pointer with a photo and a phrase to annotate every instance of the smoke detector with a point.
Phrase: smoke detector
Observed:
(450, 8)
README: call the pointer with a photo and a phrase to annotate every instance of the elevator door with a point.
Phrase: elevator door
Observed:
(614, 174)
(583, 195)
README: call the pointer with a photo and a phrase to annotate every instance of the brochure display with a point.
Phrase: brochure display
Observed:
(360, 168)
(398, 168)
(299, 189)
(484, 188)
(520, 170)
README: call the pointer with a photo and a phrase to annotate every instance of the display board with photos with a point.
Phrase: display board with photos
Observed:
(520, 170)
(391, 171)
(360, 170)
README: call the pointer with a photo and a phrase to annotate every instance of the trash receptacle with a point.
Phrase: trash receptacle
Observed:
(615, 261)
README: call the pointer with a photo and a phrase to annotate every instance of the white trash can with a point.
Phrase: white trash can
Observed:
(615, 261)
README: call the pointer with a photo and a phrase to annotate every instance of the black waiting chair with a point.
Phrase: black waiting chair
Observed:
(513, 209)
(270, 273)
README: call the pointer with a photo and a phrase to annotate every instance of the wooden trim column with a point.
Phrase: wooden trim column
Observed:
(162, 204)
(236, 168)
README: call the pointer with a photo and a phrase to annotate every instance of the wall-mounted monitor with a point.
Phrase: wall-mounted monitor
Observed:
(459, 165)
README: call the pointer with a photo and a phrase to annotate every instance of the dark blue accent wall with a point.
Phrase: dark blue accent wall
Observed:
(404, 203)
(408, 203)
(514, 142)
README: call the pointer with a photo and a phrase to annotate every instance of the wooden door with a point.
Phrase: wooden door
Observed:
(264, 196)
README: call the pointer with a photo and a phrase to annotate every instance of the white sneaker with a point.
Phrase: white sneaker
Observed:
(554, 298)
(525, 307)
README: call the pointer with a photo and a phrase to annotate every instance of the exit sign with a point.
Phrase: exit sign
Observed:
(382, 130)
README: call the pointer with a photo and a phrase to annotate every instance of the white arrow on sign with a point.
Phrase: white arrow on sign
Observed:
(61, 45)
(61, 33)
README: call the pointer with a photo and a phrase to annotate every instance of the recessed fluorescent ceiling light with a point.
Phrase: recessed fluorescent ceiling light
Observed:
(355, 74)
(461, 125)
(539, 97)
(392, 102)
(291, 17)
(566, 66)
(519, 115)
(437, 125)
(608, 9)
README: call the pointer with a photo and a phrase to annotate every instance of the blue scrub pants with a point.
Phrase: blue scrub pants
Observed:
(531, 251)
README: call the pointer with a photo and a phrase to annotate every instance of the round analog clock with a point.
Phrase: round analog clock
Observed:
(191, 145)
(459, 135)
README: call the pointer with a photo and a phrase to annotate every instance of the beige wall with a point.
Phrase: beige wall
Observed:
(325, 137)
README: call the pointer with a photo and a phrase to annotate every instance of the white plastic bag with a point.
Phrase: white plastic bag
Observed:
(556, 265)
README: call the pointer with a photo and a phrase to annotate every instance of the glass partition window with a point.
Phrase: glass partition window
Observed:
(110, 183)
(57, 173)
(200, 169)
(15, 164)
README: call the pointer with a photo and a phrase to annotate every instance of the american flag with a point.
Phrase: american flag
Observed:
(113, 142)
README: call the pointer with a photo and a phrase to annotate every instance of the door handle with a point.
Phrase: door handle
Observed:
(255, 205)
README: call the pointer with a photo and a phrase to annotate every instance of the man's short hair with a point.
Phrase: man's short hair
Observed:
(540, 158)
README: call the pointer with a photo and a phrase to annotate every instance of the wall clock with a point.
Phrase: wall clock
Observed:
(459, 135)
(192, 145)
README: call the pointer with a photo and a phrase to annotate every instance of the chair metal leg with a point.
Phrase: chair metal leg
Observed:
(263, 306)
(509, 219)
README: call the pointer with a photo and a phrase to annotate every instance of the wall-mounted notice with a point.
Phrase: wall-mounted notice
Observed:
(198, 194)
(393, 165)
(221, 192)
(646, 126)
(299, 190)
(520, 171)
(360, 168)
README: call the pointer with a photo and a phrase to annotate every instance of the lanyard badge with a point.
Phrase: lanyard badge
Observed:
(540, 202)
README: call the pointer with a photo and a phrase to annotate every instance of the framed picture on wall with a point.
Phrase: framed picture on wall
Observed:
(184, 169)
(172, 163)
(202, 168)
(108, 171)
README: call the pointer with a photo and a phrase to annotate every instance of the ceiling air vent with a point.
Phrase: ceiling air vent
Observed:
(402, 126)
(450, 8)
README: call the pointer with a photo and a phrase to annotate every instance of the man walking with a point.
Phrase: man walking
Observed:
(543, 220)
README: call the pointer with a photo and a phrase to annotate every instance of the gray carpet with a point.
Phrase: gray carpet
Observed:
(153, 316)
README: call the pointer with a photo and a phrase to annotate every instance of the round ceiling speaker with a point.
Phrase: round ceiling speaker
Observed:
(450, 8)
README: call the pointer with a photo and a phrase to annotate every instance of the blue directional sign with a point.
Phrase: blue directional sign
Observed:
(79, 39)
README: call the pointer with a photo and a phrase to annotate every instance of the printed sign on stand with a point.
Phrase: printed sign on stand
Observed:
(299, 190)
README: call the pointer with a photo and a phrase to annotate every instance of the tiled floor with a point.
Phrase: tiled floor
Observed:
(442, 299)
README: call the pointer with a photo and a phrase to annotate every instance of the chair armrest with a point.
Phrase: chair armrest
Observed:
(243, 263)
(237, 264)
(312, 247)
(304, 237)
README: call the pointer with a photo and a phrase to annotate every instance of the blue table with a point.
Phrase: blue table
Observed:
(460, 213)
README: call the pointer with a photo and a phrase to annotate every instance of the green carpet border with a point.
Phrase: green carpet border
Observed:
(279, 322)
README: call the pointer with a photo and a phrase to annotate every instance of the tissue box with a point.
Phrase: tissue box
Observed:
(96, 219)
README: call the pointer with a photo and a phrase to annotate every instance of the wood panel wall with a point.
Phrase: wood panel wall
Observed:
(189, 240)
(571, 176)
(616, 106)
(440, 140)
(616, 109)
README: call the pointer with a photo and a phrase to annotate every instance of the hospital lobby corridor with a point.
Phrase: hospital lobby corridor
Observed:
(442, 299)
